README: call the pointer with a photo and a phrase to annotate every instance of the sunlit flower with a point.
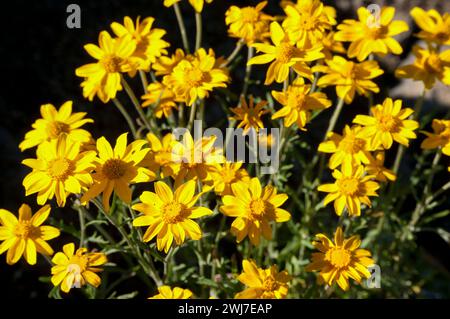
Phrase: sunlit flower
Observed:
(196, 4)
(60, 169)
(376, 168)
(165, 292)
(165, 64)
(249, 115)
(282, 55)
(388, 123)
(254, 208)
(369, 35)
(351, 188)
(349, 148)
(439, 138)
(149, 42)
(169, 215)
(349, 77)
(159, 158)
(435, 27)
(104, 77)
(162, 97)
(428, 67)
(194, 79)
(263, 283)
(340, 260)
(73, 269)
(226, 175)
(307, 21)
(331, 46)
(116, 169)
(55, 123)
(298, 102)
(248, 23)
(26, 236)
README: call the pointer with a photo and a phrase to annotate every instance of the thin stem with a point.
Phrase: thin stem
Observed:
(82, 227)
(144, 80)
(180, 20)
(126, 116)
(198, 34)
(233, 54)
(192, 115)
(248, 70)
(136, 103)
(181, 115)
(334, 117)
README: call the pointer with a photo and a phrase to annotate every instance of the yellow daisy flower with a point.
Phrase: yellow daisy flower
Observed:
(351, 188)
(165, 292)
(249, 115)
(370, 36)
(428, 67)
(439, 138)
(26, 236)
(248, 23)
(165, 64)
(116, 169)
(196, 4)
(254, 208)
(263, 283)
(149, 42)
(55, 123)
(60, 169)
(331, 46)
(73, 269)
(349, 77)
(194, 79)
(388, 123)
(298, 103)
(349, 148)
(169, 215)
(226, 175)
(163, 98)
(307, 21)
(376, 168)
(435, 27)
(340, 260)
(283, 55)
(114, 57)
(159, 158)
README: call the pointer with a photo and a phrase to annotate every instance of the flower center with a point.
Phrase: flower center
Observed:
(194, 77)
(112, 64)
(377, 32)
(55, 128)
(339, 257)
(60, 169)
(296, 101)
(270, 284)
(307, 22)
(388, 123)
(114, 168)
(348, 185)
(228, 175)
(433, 63)
(173, 213)
(351, 144)
(443, 36)
(349, 70)
(249, 15)
(25, 230)
(258, 208)
(285, 52)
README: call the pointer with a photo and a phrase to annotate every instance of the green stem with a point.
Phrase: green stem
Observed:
(233, 54)
(248, 70)
(192, 115)
(136, 103)
(82, 227)
(143, 80)
(334, 117)
(181, 115)
(198, 34)
(180, 20)
(126, 116)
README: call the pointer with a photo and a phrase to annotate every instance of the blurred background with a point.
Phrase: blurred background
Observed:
(39, 55)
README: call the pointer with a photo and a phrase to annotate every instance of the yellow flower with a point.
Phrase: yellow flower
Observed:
(249, 115)
(439, 138)
(349, 77)
(165, 292)
(263, 283)
(73, 269)
(194, 79)
(55, 123)
(351, 188)
(371, 36)
(196, 4)
(341, 260)
(254, 208)
(60, 169)
(349, 148)
(226, 175)
(165, 64)
(428, 67)
(149, 42)
(116, 169)
(26, 236)
(376, 168)
(283, 55)
(248, 23)
(163, 98)
(307, 21)
(114, 57)
(298, 103)
(388, 123)
(159, 158)
(169, 215)
(435, 28)
(331, 46)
